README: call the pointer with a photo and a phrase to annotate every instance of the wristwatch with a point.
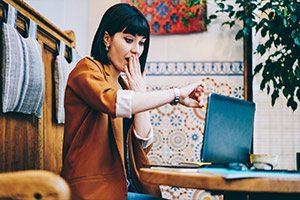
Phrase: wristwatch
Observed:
(177, 96)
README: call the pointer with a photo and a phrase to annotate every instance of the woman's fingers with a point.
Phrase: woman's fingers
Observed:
(192, 103)
(131, 66)
(197, 92)
(128, 75)
(192, 95)
(134, 65)
(137, 64)
(136, 80)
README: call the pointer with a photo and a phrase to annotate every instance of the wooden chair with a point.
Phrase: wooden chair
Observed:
(33, 184)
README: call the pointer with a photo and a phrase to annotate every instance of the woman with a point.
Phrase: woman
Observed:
(107, 123)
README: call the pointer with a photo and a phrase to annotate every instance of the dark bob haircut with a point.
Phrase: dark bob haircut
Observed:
(117, 18)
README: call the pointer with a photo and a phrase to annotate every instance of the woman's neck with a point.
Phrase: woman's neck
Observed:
(115, 74)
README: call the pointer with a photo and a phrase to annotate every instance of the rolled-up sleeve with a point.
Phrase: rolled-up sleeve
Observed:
(124, 103)
(145, 142)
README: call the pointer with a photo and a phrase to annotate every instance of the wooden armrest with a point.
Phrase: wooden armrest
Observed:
(33, 184)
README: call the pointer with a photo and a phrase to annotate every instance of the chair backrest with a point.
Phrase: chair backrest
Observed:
(33, 184)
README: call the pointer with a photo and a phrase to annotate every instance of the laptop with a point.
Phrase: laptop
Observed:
(227, 134)
(228, 131)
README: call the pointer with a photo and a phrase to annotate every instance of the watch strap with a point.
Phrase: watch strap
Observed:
(177, 96)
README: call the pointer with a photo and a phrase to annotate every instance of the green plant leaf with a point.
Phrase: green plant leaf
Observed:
(268, 44)
(291, 7)
(209, 19)
(261, 49)
(277, 42)
(258, 68)
(265, 7)
(263, 84)
(261, 24)
(232, 23)
(294, 18)
(286, 23)
(224, 23)
(292, 103)
(274, 96)
(240, 14)
(297, 40)
(231, 14)
(229, 8)
(252, 24)
(264, 31)
(298, 93)
(294, 33)
(212, 16)
(285, 92)
(297, 73)
(239, 35)
(271, 15)
(221, 5)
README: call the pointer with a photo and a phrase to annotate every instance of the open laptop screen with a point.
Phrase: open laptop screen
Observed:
(228, 130)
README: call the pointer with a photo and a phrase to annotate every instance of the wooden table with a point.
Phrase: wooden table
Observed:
(239, 189)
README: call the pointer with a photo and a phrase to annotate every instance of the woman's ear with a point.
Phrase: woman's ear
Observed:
(106, 39)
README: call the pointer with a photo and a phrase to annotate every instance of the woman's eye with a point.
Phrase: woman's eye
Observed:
(142, 43)
(128, 40)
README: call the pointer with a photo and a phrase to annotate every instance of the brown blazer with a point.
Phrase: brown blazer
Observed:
(93, 149)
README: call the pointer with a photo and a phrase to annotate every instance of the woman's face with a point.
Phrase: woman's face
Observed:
(122, 46)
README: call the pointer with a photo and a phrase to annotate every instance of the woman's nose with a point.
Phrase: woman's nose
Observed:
(136, 49)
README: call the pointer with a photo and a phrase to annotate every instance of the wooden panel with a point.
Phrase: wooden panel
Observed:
(27, 142)
(18, 142)
(53, 133)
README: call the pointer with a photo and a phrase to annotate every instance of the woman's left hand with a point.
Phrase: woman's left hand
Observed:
(136, 80)
(192, 95)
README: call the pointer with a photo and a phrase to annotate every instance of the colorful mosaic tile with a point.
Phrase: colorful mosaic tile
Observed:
(178, 130)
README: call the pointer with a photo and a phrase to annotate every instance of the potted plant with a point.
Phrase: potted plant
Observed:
(278, 22)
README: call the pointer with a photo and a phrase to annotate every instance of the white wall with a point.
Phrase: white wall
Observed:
(96, 10)
(67, 15)
(215, 44)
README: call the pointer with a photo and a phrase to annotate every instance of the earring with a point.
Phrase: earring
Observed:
(106, 48)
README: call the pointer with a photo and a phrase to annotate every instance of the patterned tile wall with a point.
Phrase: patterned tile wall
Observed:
(178, 130)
